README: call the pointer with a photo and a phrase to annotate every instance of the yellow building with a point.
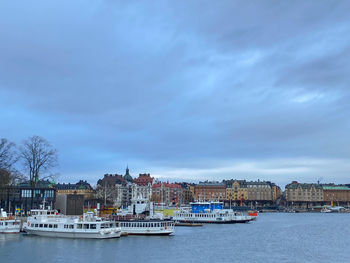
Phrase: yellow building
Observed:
(80, 188)
(238, 191)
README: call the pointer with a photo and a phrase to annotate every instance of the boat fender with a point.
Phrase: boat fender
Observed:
(28, 223)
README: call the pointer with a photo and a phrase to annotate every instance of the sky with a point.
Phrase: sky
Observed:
(184, 90)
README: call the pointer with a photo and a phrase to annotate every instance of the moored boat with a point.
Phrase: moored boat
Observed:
(140, 219)
(9, 224)
(253, 214)
(147, 227)
(210, 212)
(49, 223)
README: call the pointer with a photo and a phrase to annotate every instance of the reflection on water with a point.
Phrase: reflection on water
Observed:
(275, 237)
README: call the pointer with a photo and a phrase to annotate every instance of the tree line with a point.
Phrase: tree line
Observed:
(32, 160)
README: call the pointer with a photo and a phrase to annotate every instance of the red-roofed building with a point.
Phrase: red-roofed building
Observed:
(143, 179)
(142, 186)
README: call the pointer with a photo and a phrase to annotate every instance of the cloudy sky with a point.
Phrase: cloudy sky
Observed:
(185, 90)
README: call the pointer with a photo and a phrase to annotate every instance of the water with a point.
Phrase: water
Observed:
(275, 237)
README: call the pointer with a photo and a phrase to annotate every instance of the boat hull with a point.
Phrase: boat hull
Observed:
(10, 231)
(133, 233)
(61, 234)
(215, 222)
(10, 226)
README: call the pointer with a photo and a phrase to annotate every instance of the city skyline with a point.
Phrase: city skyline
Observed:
(243, 90)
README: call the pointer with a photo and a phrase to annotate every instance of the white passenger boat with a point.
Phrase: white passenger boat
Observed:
(51, 224)
(134, 221)
(147, 227)
(8, 224)
(210, 212)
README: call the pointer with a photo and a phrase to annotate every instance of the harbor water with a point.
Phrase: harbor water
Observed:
(274, 237)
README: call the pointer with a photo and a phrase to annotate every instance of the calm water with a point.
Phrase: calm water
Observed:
(275, 237)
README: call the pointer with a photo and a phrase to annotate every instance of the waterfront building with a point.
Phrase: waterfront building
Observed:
(25, 197)
(336, 194)
(236, 191)
(303, 195)
(80, 188)
(167, 193)
(210, 191)
(70, 204)
(259, 191)
(113, 189)
(187, 193)
(276, 192)
(142, 187)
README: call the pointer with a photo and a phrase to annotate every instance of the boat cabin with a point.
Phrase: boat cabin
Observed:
(40, 212)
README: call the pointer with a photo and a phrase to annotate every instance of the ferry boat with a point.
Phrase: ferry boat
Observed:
(210, 212)
(51, 224)
(140, 219)
(147, 227)
(8, 224)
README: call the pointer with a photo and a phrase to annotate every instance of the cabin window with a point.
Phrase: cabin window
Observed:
(65, 226)
(36, 225)
(50, 226)
(55, 226)
(41, 225)
(45, 225)
(93, 226)
(79, 226)
(71, 226)
(86, 226)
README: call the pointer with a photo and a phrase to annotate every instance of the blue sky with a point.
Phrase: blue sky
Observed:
(184, 90)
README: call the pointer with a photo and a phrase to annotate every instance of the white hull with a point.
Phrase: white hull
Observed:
(89, 235)
(211, 218)
(146, 232)
(48, 223)
(147, 227)
(11, 226)
(9, 230)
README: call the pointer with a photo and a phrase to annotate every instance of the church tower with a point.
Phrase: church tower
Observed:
(127, 175)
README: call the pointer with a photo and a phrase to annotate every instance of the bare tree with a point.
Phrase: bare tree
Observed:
(4, 177)
(38, 157)
(8, 155)
(8, 158)
(108, 193)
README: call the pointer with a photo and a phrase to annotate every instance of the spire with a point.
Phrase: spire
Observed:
(127, 175)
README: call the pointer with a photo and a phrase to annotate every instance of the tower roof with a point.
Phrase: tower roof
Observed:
(127, 175)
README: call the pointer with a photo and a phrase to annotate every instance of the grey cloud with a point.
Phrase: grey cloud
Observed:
(177, 84)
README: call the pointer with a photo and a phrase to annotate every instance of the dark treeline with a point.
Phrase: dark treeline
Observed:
(31, 160)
